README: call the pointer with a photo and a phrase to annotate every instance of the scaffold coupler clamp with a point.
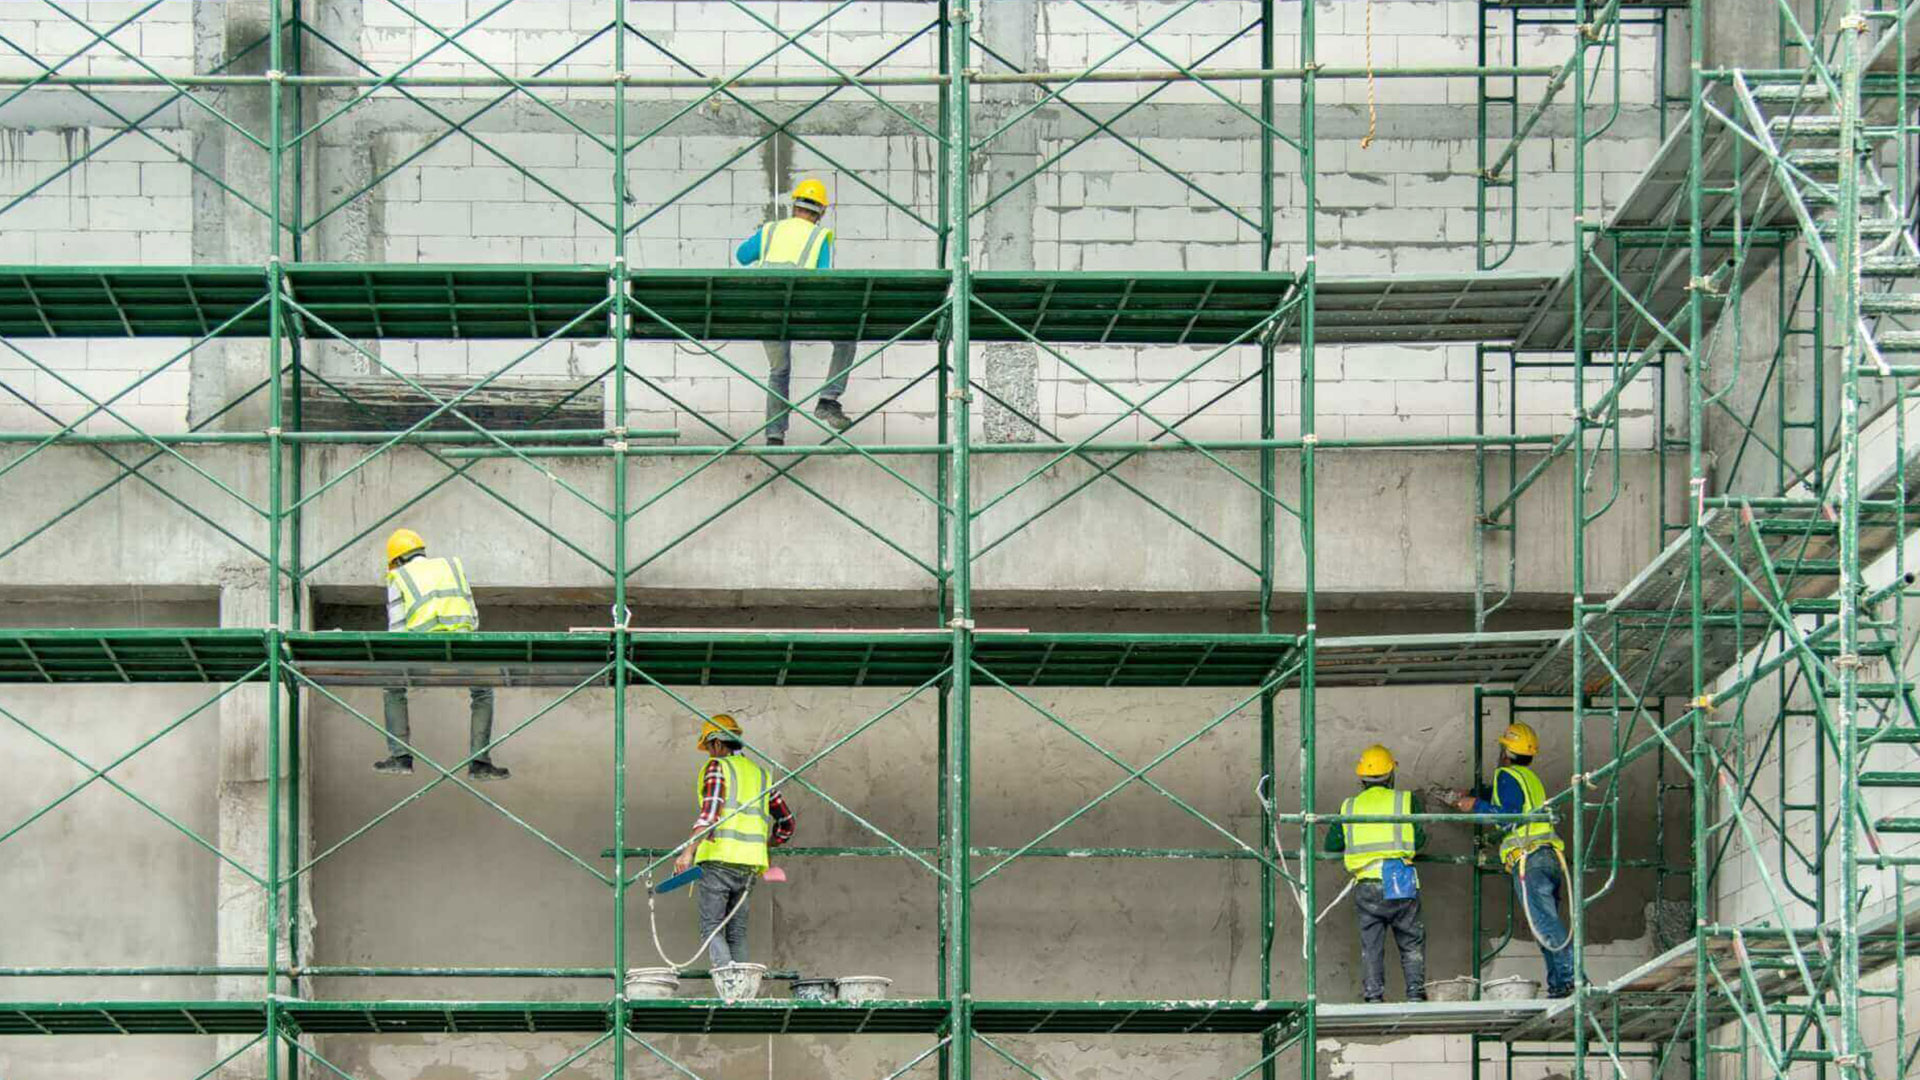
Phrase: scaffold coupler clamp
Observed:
(1848, 662)
(1704, 703)
(960, 624)
(1856, 22)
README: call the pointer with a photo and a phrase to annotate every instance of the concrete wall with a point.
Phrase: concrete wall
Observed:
(1395, 528)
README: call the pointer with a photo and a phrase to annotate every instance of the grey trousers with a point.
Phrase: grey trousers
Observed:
(479, 720)
(780, 379)
(1377, 916)
(721, 886)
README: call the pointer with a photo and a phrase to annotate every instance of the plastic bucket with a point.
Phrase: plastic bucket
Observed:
(652, 984)
(738, 982)
(864, 987)
(1511, 988)
(1459, 988)
(815, 990)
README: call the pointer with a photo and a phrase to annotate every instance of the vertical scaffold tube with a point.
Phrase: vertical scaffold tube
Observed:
(960, 759)
(1308, 278)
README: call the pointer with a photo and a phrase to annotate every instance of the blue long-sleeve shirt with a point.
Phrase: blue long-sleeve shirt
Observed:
(1508, 798)
(749, 251)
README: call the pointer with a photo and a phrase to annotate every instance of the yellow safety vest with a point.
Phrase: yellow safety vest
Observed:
(430, 595)
(1368, 842)
(793, 242)
(745, 822)
(1528, 836)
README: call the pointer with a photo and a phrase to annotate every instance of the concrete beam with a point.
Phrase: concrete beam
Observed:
(1395, 529)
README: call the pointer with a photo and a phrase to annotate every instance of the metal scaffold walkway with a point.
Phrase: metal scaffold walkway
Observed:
(1774, 607)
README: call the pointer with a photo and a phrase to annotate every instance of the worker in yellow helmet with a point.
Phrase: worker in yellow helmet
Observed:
(1386, 893)
(740, 818)
(429, 595)
(1530, 851)
(799, 242)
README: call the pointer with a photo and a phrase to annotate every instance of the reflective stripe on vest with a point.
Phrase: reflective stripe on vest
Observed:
(740, 837)
(794, 242)
(434, 597)
(1368, 842)
(1528, 836)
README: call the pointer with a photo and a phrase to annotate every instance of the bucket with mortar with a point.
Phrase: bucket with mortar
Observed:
(815, 990)
(652, 984)
(738, 982)
(1511, 988)
(864, 987)
(1459, 988)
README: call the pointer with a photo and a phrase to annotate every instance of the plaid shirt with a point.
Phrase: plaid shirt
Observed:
(713, 801)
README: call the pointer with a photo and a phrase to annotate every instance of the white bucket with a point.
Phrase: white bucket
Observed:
(738, 982)
(1511, 988)
(864, 987)
(815, 990)
(1459, 988)
(652, 984)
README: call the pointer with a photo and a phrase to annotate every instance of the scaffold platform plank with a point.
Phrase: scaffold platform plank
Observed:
(444, 1017)
(1128, 308)
(132, 1018)
(131, 301)
(1645, 242)
(784, 1016)
(1397, 1019)
(130, 656)
(529, 302)
(1172, 1017)
(1430, 659)
(1426, 309)
(898, 658)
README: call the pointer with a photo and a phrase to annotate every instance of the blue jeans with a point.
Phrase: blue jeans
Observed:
(1539, 889)
(780, 380)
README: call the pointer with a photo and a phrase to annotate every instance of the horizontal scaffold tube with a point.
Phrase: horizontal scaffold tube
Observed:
(1149, 75)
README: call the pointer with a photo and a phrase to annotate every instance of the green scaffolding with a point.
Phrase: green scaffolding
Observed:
(1760, 598)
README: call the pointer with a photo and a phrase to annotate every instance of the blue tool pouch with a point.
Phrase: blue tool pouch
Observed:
(1397, 880)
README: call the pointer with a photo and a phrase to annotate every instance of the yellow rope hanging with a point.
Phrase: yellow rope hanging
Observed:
(1373, 115)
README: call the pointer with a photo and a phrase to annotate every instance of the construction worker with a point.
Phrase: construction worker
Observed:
(1530, 851)
(802, 242)
(1386, 894)
(739, 820)
(431, 596)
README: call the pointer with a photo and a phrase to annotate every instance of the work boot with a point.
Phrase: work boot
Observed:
(776, 440)
(829, 413)
(482, 771)
(398, 764)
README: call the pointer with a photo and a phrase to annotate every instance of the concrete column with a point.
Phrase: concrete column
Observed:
(1010, 370)
(225, 229)
(339, 162)
(240, 927)
(1745, 33)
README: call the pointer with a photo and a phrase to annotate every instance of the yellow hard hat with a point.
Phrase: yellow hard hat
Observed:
(1520, 739)
(1376, 761)
(403, 542)
(812, 193)
(719, 725)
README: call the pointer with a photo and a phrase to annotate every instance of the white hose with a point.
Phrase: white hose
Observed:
(654, 924)
(1526, 905)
